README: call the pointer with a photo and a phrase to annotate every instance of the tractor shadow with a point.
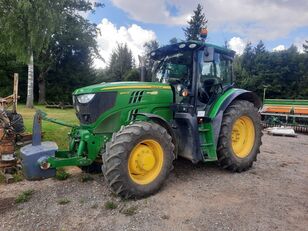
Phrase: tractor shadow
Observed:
(184, 168)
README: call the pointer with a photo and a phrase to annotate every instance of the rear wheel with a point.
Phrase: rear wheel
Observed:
(16, 121)
(240, 136)
(138, 159)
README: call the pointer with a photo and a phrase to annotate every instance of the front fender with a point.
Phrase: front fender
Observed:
(162, 122)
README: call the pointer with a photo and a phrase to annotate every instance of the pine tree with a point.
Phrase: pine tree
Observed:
(195, 24)
(173, 40)
(260, 48)
(121, 62)
(148, 47)
(305, 46)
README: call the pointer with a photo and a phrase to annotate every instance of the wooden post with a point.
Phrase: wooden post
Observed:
(15, 93)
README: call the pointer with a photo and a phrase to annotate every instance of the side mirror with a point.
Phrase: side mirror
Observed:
(208, 54)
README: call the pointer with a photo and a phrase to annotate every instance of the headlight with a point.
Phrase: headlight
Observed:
(179, 87)
(86, 98)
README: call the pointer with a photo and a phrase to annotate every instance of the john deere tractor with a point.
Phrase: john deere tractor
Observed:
(134, 130)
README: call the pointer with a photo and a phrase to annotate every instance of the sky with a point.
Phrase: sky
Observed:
(278, 23)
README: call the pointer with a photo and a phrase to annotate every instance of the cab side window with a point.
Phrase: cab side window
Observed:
(220, 69)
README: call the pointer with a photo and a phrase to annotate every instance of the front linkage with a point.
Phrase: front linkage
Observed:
(83, 149)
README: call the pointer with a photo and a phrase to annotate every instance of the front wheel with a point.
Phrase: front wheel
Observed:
(240, 136)
(138, 159)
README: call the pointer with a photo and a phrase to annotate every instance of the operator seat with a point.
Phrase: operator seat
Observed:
(208, 88)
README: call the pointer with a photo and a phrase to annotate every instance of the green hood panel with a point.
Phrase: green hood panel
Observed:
(121, 86)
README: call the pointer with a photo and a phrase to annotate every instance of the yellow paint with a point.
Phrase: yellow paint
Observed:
(145, 162)
(152, 92)
(136, 87)
(243, 136)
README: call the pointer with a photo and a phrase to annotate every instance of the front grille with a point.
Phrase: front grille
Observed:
(88, 113)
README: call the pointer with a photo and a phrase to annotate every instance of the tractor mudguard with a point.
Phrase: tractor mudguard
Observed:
(162, 122)
(218, 108)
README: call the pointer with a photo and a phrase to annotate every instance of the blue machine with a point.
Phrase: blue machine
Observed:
(38, 153)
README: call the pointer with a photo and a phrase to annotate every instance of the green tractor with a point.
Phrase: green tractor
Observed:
(133, 131)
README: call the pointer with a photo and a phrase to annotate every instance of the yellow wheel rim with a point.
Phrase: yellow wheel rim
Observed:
(243, 136)
(145, 162)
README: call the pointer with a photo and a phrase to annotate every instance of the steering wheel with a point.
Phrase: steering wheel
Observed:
(203, 95)
(205, 91)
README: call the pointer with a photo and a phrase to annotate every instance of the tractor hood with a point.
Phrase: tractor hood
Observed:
(105, 99)
(117, 86)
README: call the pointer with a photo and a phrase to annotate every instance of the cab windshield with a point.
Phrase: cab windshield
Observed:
(174, 68)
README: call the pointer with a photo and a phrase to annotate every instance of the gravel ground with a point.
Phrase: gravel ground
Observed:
(273, 195)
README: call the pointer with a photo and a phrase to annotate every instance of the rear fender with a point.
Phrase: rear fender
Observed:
(217, 110)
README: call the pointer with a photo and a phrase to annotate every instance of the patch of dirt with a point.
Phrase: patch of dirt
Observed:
(273, 195)
(6, 204)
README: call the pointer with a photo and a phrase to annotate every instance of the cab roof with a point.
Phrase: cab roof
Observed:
(187, 46)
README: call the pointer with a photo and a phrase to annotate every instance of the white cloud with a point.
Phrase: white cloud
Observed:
(279, 48)
(250, 19)
(134, 36)
(237, 44)
(298, 42)
(152, 11)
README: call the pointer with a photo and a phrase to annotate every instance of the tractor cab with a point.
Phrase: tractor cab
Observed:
(201, 78)
(198, 72)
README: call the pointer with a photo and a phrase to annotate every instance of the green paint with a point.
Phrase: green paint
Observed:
(208, 146)
(87, 141)
(286, 102)
(219, 101)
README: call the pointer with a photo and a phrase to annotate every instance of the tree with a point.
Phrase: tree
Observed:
(132, 75)
(27, 26)
(305, 46)
(195, 24)
(75, 42)
(173, 40)
(148, 48)
(121, 62)
(247, 57)
(260, 48)
(73, 53)
(9, 66)
(285, 72)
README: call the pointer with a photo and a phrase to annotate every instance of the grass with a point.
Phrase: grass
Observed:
(24, 196)
(63, 201)
(110, 205)
(53, 132)
(61, 174)
(130, 211)
(2, 179)
(86, 178)
(18, 176)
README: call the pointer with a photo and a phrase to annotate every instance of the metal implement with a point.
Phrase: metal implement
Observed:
(11, 125)
(35, 156)
(285, 112)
